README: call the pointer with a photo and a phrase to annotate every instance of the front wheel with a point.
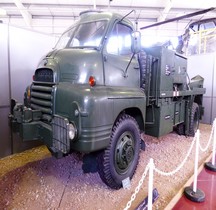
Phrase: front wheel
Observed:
(194, 119)
(120, 159)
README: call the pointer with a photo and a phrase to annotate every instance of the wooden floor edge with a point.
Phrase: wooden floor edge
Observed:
(176, 198)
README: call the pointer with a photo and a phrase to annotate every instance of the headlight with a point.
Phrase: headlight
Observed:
(71, 131)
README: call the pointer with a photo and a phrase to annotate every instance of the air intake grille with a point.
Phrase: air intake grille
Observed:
(43, 75)
(61, 140)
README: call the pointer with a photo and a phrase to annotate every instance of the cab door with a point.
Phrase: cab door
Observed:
(117, 55)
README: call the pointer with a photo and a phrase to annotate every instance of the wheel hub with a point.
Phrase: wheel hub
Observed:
(124, 152)
(129, 154)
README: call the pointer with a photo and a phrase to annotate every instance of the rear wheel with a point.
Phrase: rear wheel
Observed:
(120, 159)
(194, 120)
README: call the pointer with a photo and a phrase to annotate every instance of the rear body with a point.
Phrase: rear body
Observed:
(170, 93)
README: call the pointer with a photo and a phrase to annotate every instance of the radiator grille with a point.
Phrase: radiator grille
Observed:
(61, 140)
(42, 97)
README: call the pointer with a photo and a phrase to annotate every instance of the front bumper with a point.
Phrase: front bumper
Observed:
(28, 123)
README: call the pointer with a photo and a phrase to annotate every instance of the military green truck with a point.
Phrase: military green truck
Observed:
(99, 89)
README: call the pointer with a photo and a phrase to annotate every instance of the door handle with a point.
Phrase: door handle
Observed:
(136, 67)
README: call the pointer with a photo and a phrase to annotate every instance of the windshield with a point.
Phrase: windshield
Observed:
(83, 35)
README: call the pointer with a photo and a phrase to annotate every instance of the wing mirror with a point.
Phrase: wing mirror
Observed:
(136, 42)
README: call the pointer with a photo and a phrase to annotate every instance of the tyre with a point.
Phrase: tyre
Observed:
(120, 159)
(194, 120)
(181, 129)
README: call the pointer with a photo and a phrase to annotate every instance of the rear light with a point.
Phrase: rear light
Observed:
(33, 77)
(92, 81)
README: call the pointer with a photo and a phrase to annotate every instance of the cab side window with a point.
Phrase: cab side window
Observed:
(119, 42)
(207, 25)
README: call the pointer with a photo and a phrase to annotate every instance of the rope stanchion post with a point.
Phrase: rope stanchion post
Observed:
(196, 162)
(211, 165)
(150, 184)
(195, 194)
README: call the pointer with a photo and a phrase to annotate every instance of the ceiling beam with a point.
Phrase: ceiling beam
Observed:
(165, 11)
(25, 14)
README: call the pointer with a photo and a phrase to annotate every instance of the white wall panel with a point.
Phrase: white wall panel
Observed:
(5, 148)
(4, 76)
(20, 55)
(205, 66)
(214, 81)
(213, 116)
(214, 93)
(208, 112)
(26, 49)
(5, 141)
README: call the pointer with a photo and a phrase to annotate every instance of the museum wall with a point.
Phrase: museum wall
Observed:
(20, 52)
(205, 66)
(5, 148)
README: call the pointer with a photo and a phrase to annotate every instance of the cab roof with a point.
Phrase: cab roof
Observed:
(93, 15)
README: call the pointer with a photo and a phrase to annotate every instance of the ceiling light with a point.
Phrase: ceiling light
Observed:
(3, 12)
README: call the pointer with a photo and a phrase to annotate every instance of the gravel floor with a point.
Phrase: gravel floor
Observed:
(35, 180)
